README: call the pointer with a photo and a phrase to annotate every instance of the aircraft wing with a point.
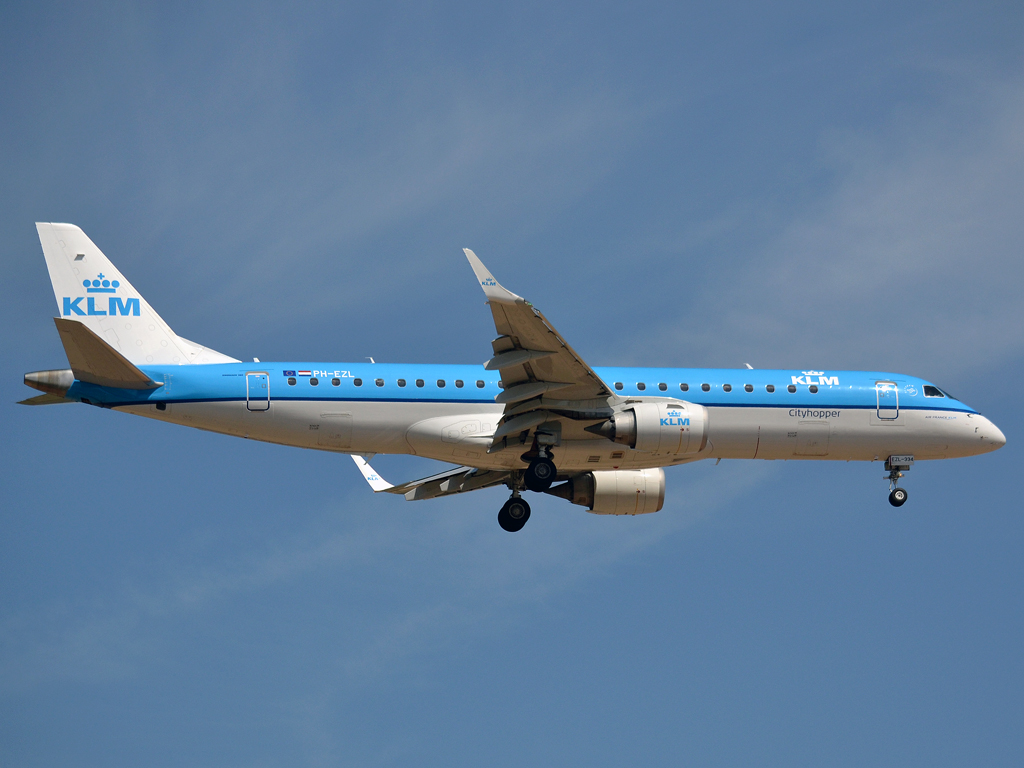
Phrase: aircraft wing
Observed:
(457, 480)
(543, 377)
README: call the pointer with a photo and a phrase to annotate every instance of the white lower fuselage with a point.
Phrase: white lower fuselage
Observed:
(460, 432)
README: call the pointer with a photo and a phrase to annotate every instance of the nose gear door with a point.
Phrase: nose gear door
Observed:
(257, 390)
(888, 398)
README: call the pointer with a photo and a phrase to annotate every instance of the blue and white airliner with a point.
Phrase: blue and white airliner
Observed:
(533, 417)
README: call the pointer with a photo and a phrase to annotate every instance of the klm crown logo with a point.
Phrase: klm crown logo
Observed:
(101, 285)
(675, 419)
(115, 305)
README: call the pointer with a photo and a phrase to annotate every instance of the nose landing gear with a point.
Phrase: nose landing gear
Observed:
(896, 465)
(897, 497)
(514, 513)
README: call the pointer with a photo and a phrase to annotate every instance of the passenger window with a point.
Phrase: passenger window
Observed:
(684, 387)
(791, 388)
(813, 389)
(641, 386)
(748, 387)
(314, 382)
(291, 381)
(663, 386)
(419, 382)
(440, 383)
(459, 383)
(706, 387)
(379, 382)
(769, 388)
(401, 382)
(930, 391)
(727, 387)
(357, 382)
(618, 385)
(335, 382)
(479, 384)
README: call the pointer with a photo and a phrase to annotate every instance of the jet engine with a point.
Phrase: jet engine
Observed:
(660, 428)
(616, 492)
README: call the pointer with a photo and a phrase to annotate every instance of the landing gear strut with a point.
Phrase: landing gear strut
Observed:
(895, 465)
(514, 513)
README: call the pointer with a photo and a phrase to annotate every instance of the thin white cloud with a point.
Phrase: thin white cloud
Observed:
(484, 586)
(911, 261)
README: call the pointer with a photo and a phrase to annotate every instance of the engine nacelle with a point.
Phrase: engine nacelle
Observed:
(616, 492)
(659, 428)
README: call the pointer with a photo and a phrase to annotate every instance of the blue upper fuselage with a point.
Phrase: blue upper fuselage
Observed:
(383, 382)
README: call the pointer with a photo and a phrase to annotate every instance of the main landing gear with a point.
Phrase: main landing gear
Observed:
(514, 513)
(540, 474)
(895, 465)
(537, 477)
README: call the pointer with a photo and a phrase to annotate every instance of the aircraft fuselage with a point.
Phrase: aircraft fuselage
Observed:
(442, 413)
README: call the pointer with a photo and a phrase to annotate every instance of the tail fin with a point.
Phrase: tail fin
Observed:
(91, 290)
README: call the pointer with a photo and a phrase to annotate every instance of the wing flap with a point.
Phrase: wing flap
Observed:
(529, 349)
(457, 480)
(535, 363)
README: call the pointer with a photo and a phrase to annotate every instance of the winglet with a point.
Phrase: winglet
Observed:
(375, 481)
(492, 290)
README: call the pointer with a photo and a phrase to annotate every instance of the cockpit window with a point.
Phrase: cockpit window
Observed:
(930, 391)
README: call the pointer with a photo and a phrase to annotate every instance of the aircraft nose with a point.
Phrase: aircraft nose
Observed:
(998, 438)
(993, 436)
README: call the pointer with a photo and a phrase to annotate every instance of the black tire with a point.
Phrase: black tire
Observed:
(898, 497)
(540, 475)
(513, 515)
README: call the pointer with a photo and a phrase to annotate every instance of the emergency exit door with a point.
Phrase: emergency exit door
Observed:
(257, 387)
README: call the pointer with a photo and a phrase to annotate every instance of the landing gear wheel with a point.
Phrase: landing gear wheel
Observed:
(898, 497)
(514, 514)
(540, 475)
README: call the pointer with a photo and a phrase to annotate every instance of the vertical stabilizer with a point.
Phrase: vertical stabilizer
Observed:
(91, 290)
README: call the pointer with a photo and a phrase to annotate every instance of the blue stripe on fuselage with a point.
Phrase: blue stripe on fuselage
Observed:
(225, 382)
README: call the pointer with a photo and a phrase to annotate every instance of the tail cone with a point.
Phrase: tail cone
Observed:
(53, 382)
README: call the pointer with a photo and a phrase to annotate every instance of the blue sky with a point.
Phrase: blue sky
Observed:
(789, 186)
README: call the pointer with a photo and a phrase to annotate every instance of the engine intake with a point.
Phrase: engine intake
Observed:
(616, 492)
(659, 428)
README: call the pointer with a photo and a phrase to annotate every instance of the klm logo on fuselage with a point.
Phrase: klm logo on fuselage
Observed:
(816, 377)
(675, 419)
(115, 304)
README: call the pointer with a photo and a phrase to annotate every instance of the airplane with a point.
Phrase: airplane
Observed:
(534, 417)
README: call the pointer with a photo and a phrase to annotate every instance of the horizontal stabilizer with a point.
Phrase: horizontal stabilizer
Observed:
(96, 362)
(46, 399)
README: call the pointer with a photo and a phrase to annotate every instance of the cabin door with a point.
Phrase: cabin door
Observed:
(888, 400)
(257, 388)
